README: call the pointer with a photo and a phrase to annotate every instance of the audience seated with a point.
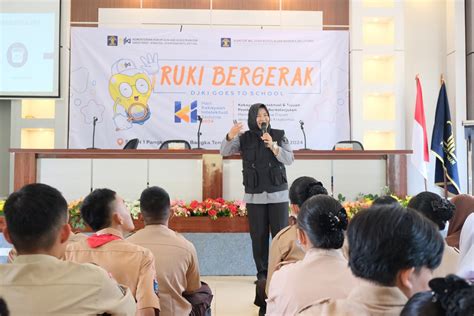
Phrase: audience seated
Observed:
(466, 262)
(323, 273)
(440, 211)
(464, 207)
(283, 247)
(134, 266)
(177, 267)
(37, 282)
(394, 250)
(450, 296)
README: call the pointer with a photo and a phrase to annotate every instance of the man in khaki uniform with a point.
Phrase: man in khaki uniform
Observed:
(394, 250)
(176, 260)
(37, 281)
(129, 264)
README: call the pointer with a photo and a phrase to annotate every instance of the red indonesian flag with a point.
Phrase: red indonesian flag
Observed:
(420, 157)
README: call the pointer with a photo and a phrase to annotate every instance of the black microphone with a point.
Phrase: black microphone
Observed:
(304, 135)
(94, 121)
(199, 133)
(264, 128)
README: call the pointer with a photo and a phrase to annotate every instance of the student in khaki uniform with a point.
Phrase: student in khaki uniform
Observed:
(37, 282)
(283, 247)
(177, 267)
(134, 266)
(394, 250)
(323, 273)
(440, 211)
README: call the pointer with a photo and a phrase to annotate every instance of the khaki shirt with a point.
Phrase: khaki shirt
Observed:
(323, 273)
(368, 299)
(177, 267)
(283, 248)
(129, 264)
(449, 263)
(43, 284)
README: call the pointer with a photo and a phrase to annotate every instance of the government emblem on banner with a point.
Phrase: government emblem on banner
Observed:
(112, 40)
(226, 42)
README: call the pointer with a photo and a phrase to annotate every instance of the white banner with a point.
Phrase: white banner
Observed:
(154, 84)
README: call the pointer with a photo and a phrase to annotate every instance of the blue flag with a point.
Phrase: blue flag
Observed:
(443, 146)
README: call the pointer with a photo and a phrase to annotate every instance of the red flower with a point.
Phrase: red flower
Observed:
(233, 209)
(194, 204)
(220, 200)
(208, 205)
(212, 213)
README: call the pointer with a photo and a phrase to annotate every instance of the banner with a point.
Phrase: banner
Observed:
(154, 85)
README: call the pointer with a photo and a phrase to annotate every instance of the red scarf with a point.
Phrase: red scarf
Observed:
(96, 241)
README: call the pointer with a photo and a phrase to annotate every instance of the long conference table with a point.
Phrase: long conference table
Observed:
(204, 172)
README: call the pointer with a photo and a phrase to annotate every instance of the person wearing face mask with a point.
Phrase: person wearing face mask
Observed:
(265, 151)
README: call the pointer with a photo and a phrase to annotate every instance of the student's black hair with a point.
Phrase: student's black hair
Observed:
(450, 296)
(3, 308)
(384, 200)
(96, 209)
(305, 187)
(434, 207)
(34, 216)
(324, 220)
(155, 205)
(386, 239)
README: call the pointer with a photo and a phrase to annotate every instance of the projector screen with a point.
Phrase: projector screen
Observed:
(29, 48)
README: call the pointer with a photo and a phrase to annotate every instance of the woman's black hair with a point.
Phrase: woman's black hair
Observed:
(434, 207)
(305, 187)
(324, 220)
(450, 296)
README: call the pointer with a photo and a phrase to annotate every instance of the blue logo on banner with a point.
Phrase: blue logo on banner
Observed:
(226, 42)
(187, 113)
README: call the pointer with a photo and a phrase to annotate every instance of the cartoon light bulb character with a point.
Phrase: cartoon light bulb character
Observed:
(130, 88)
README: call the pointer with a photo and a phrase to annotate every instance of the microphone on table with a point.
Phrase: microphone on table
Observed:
(94, 121)
(199, 133)
(304, 135)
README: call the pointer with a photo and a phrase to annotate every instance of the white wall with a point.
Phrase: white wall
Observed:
(427, 30)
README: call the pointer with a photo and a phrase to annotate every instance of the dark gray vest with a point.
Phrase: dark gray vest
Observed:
(261, 170)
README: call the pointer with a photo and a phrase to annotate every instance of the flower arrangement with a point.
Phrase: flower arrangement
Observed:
(213, 208)
(364, 201)
(75, 218)
(2, 204)
(134, 207)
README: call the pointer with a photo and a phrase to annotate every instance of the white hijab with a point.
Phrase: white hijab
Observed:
(466, 249)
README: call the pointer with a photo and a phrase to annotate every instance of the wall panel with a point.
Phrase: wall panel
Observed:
(177, 4)
(335, 12)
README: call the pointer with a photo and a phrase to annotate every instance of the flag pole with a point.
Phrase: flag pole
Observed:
(444, 169)
(426, 185)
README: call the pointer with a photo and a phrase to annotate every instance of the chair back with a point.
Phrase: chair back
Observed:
(131, 144)
(175, 144)
(348, 145)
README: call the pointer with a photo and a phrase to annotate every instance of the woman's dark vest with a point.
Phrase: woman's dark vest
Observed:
(262, 172)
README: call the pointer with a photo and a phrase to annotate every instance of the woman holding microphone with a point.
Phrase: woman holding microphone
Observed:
(265, 152)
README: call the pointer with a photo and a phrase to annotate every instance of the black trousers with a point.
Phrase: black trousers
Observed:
(264, 218)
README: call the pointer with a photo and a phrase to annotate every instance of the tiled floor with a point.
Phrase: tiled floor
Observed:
(233, 295)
